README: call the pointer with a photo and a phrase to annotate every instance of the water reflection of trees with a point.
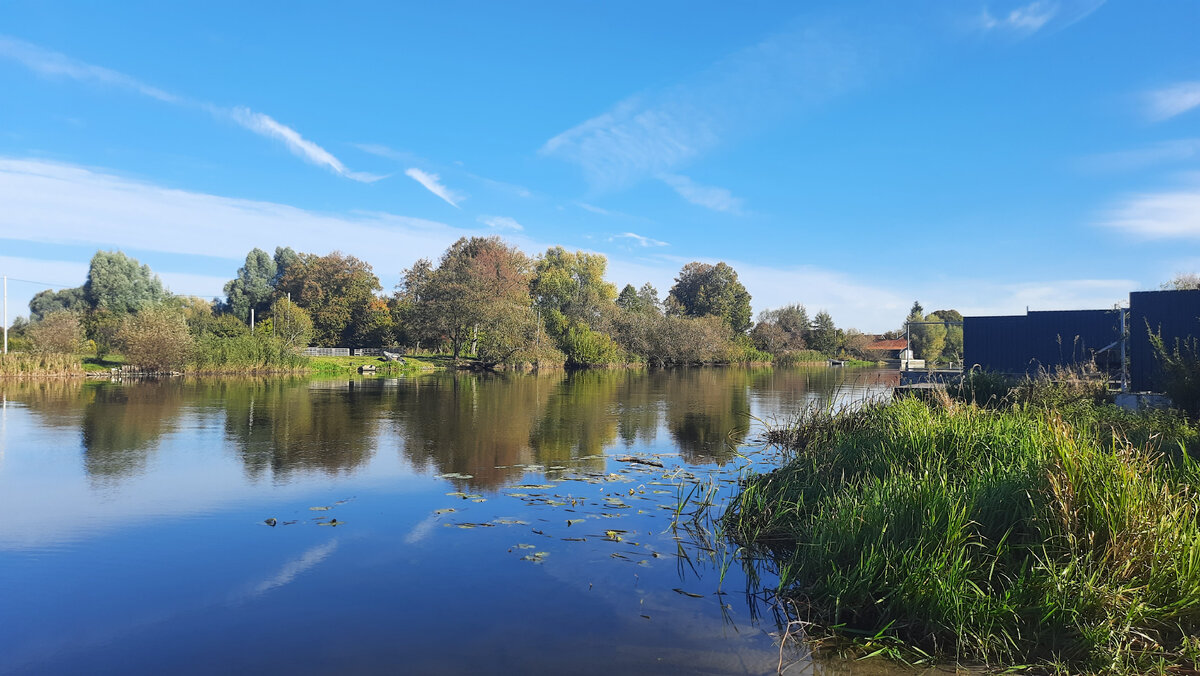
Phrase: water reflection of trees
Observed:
(478, 424)
(286, 425)
(708, 412)
(120, 424)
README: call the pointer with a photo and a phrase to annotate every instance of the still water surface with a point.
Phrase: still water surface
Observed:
(444, 523)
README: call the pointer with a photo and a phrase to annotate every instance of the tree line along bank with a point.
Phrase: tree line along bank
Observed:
(484, 299)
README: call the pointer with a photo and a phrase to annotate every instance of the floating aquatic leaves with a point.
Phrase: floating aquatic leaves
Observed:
(614, 535)
(455, 475)
(572, 522)
(534, 486)
(536, 557)
(331, 522)
(444, 510)
(319, 509)
(677, 590)
(510, 522)
(270, 522)
(574, 539)
(457, 494)
(525, 546)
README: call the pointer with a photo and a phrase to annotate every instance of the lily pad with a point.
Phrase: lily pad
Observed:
(319, 509)
(444, 510)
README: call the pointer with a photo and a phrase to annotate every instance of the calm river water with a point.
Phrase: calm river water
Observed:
(444, 523)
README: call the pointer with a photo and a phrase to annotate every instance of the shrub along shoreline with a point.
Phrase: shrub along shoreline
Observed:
(1049, 530)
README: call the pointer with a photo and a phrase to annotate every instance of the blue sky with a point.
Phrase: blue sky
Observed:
(986, 156)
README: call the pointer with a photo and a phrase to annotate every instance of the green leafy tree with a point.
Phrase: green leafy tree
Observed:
(641, 300)
(570, 287)
(284, 259)
(47, 302)
(703, 290)
(292, 325)
(954, 333)
(335, 290)
(927, 340)
(781, 330)
(476, 287)
(823, 336)
(376, 327)
(119, 284)
(252, 289)
(156, 339)
(58, 332)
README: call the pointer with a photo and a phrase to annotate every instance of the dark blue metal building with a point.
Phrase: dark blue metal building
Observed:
(1025, 344)
(1174, 315)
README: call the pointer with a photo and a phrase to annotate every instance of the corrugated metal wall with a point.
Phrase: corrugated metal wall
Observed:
(1172, 314)
(1024, 344)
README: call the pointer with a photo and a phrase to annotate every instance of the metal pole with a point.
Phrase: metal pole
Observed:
(251, 320)
(5, 314)
(1124, 373)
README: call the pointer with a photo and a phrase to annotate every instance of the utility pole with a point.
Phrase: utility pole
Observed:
(251, 320)
(5, 314)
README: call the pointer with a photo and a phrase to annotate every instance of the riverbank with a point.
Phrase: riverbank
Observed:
(28, 365)
(1064, 535)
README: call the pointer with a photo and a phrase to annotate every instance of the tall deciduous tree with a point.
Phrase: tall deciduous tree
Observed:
(47, 302)
(703, 290)
(252, 289)
(823, 337)
(293, 327)
(480, 285)
(335, 290)
(119, 284)
(954, 332)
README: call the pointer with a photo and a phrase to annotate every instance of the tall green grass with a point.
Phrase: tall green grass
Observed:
(792, 357)
(1006, 536)
(243, 354)
(28, 365)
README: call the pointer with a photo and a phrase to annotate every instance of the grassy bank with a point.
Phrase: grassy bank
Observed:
(414, 364)
(33, 365)
(1008, 536)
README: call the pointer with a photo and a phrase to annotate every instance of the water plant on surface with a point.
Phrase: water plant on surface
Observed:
(1010, 536)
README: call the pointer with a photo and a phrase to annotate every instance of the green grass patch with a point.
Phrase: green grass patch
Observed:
(1001, 536)
(412, 364)
(102, 364)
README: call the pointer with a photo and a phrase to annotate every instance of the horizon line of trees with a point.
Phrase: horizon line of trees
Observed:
(483, 297)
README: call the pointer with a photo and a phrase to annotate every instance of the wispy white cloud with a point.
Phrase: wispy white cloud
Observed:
(265, 125)
(501, 223)
(709, 197)
(433, 183)
(1168, 102)
(60, 203)
(1031, 17)
(657, 132)
(1026, 19)
(640, 240)
(594, 209)
(54, 64)
(1175, 150)
(1167, 214)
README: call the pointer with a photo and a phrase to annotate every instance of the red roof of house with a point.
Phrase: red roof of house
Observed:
(897, 344)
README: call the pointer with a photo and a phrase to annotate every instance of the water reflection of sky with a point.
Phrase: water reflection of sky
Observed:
(133, 537)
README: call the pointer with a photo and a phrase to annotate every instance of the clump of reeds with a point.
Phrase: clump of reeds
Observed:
(244, 354)
(30, 365)
(793, 357)
(1008, 536)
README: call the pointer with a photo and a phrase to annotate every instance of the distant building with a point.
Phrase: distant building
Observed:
(896, 348)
